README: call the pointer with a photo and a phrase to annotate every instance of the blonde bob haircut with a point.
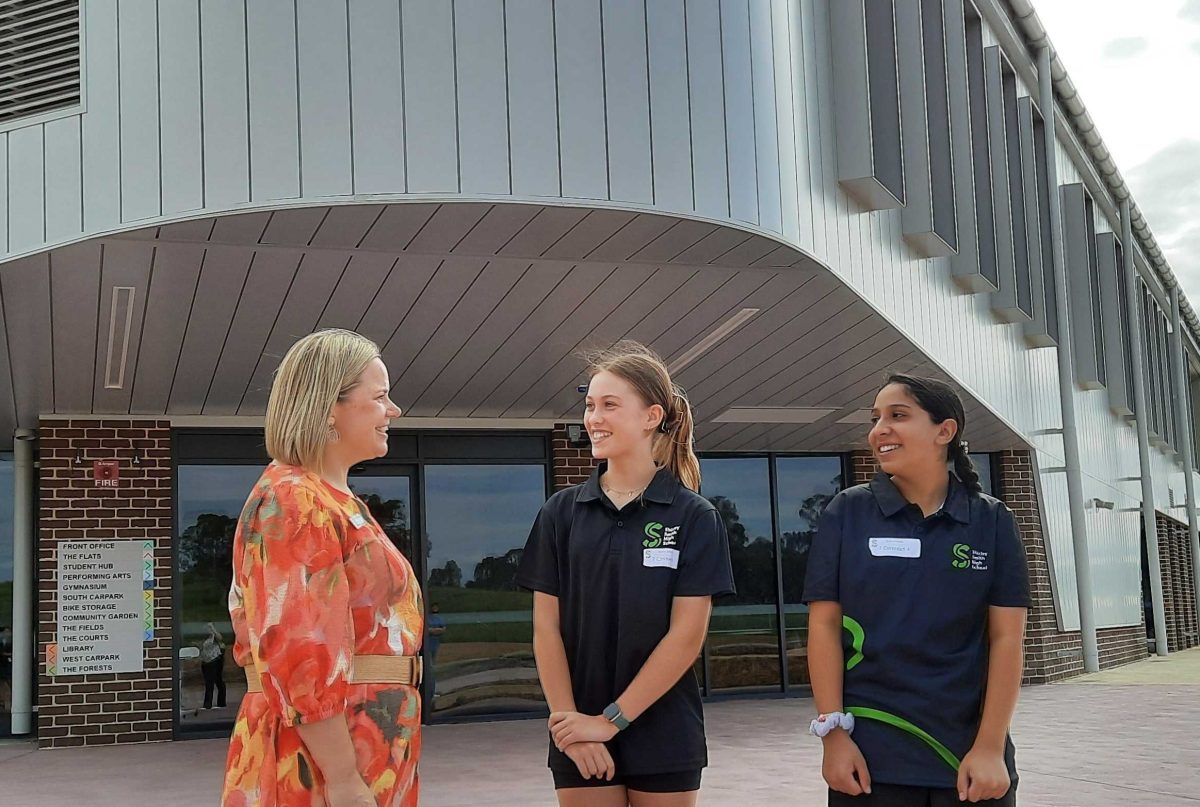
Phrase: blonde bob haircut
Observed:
(317, 372)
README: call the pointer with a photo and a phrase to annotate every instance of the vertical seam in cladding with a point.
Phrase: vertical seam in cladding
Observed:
(454, 71)
(42, 134)
(775, 96)
(158, 104)
(120, 149)
(50, 311)
(403, 105)
(349, 96)
(249, 135)
(557, 108)
(724, 107)
(604, 108)
(753, 113)
(687, 78)
(200, 75)
(507, 91)
(299, 115)
(649, 98)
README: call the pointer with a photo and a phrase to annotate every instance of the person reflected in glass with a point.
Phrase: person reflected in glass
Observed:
(212, 667)
(918, 590)
(326, 612)
(623, 569)
(435, 627)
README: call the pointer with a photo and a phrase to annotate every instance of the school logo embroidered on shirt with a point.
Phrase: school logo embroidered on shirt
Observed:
(967, 558)
(657, 535)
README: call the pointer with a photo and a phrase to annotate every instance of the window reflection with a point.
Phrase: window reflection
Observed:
(479, 647)
(806, 485)
(389, 498)
(743, 637)
(209, 502)
(983, 466)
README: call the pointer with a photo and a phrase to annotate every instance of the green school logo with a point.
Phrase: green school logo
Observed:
(653, 535)
(962, 556)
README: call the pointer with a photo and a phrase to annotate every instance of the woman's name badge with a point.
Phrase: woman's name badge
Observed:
(895, 547)
(666, 558)
(358, 521)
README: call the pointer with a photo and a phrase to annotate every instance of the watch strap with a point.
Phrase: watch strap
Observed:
(613, 714)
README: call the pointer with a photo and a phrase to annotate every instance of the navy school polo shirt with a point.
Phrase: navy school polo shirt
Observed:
(915, 594)
(615, 573)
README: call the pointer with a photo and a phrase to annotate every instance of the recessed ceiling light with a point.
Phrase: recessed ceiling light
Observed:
(706, 344)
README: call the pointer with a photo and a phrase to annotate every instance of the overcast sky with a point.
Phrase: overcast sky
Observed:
(1137, 65)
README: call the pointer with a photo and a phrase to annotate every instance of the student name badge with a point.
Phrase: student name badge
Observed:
(665, 558)
(358, 521)
(895, 547)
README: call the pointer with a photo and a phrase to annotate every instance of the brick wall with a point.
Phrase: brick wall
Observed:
(571, 465)
(1050, 654)
(106, 708)
(1179, 597)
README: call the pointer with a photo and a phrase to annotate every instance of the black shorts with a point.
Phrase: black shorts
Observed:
(675, 782)
(903, 796)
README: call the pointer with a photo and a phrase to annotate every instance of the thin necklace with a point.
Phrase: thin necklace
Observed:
(625, 492)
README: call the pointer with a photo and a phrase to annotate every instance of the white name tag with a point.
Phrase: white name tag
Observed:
(667, 558)
(358, 521)
(895, 547)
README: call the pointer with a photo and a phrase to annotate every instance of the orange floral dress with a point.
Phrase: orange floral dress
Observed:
(315, 582)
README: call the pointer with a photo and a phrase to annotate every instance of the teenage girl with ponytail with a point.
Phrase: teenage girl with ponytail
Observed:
(623, 569)
(917, 590)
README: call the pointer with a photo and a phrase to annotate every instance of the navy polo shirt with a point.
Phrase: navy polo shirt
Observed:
(915, 594)
(615, 573)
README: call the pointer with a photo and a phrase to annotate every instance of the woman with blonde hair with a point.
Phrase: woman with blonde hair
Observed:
(327, 613)
(623, 569)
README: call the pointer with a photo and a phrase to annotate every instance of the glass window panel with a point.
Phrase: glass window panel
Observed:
(805, 486)
(983, 465)
(477, 520)
(389, 498)
(209, 502)
(743, 638)
(6, 592)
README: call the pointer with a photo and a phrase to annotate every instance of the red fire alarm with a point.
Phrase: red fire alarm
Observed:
(106, 473)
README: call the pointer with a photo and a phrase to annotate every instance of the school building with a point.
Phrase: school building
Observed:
(786, 198)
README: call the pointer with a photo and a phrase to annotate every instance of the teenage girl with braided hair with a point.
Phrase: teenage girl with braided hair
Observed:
(623, 569)
(918, 590)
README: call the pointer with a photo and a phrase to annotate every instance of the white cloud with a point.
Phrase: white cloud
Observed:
(1125, 47)
(1191, 11)
(1171, 204)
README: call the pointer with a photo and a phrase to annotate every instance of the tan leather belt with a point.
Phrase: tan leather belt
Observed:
(403, 670)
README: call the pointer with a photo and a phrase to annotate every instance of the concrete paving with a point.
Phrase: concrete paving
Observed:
(1122, 738)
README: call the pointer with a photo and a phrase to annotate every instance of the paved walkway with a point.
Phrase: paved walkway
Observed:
(1124, 738)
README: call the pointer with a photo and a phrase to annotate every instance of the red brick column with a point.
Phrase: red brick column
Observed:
(571, 465)
(112, 707)
(1179, 599)
(862, 467)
